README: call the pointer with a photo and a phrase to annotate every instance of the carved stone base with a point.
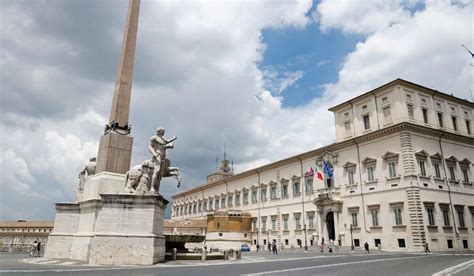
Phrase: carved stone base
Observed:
(117, 229)
(65, 227)
(115, 153)
(129, 230)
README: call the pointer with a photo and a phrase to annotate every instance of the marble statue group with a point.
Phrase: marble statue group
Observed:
(146, 177)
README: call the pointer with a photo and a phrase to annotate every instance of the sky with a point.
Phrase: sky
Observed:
(255, 76)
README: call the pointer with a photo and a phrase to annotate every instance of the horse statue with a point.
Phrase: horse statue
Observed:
(148, 175)
(169, 171)
(138, 178)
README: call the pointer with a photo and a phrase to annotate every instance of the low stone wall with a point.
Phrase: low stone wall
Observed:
(18, 249)
(195, 256)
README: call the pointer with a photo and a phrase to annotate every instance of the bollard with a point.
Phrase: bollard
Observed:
(226, 255)
(174, 254)
(203, 255)
(238, 254)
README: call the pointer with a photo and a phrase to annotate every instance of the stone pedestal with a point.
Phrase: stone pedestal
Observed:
(65, 228)
(109, 226)
(129, 230)
(115, 153)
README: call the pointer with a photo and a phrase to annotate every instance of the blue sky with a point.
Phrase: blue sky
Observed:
(319, 55)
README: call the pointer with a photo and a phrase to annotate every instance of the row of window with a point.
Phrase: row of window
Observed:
(237, 200)
(430, 211)
(285, 222)
(451, 165)
(445, 210)
(390, 159)
(388, 119)
(422, 160)
(25, 229)
(376, 242)
(310, 220)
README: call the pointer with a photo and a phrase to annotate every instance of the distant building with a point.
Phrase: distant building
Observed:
(185, 227)
(23, 233)
(223, 229)
(228, 229)
(402, 176)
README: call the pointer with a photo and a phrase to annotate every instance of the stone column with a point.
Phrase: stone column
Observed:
(115, 148)
(320, 225)
(336, 225)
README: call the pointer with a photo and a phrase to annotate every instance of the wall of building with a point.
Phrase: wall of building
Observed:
(397, 197)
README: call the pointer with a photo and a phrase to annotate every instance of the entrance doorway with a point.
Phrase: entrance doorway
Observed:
(330, 226)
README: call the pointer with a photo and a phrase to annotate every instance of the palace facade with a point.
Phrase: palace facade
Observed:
(22, 234)
(402, 177)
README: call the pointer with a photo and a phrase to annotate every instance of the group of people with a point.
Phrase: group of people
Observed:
(273, 247)
(36, 250)
(330, 246)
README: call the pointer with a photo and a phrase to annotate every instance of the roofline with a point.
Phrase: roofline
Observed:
(405, 83)
(318, 152)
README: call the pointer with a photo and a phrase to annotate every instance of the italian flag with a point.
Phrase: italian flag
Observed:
(319, 173)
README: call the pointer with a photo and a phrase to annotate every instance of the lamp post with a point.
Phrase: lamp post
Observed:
(268, 239)
(352, 240)
(305, 240)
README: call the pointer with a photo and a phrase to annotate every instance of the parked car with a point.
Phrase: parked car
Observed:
(244, 248)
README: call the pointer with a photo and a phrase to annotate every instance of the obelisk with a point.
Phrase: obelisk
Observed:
(115, 148)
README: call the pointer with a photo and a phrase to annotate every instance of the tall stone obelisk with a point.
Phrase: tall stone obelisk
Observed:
(115, 148)
(109, 226)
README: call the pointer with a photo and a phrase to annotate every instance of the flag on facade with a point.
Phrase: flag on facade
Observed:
(319, 174)
(327, 169)
(310, 171)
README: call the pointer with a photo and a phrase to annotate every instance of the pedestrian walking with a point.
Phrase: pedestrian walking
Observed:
(366, 246)
(34, 249)
(331, 245)
(427, 249)
(38, 246)
(322, 246)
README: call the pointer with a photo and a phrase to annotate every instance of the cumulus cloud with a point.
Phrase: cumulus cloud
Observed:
(361, 17)
(15, 172)
(197, 78)
(425, 48)
(200, 79)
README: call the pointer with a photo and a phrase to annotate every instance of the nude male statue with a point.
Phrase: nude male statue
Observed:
(158, 146)
(86, 172)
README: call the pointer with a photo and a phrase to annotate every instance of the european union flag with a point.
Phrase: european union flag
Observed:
(327, 169)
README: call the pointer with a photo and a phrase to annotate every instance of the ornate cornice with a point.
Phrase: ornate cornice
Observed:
(333, 148)
(409, 85)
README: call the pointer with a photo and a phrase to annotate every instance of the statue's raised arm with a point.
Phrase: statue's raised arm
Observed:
(172, 139)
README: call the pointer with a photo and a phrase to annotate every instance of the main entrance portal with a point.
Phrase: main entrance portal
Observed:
(330, 226)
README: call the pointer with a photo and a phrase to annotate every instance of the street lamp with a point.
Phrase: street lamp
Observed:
(305, 240)
(352, 240)
(268, 240)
